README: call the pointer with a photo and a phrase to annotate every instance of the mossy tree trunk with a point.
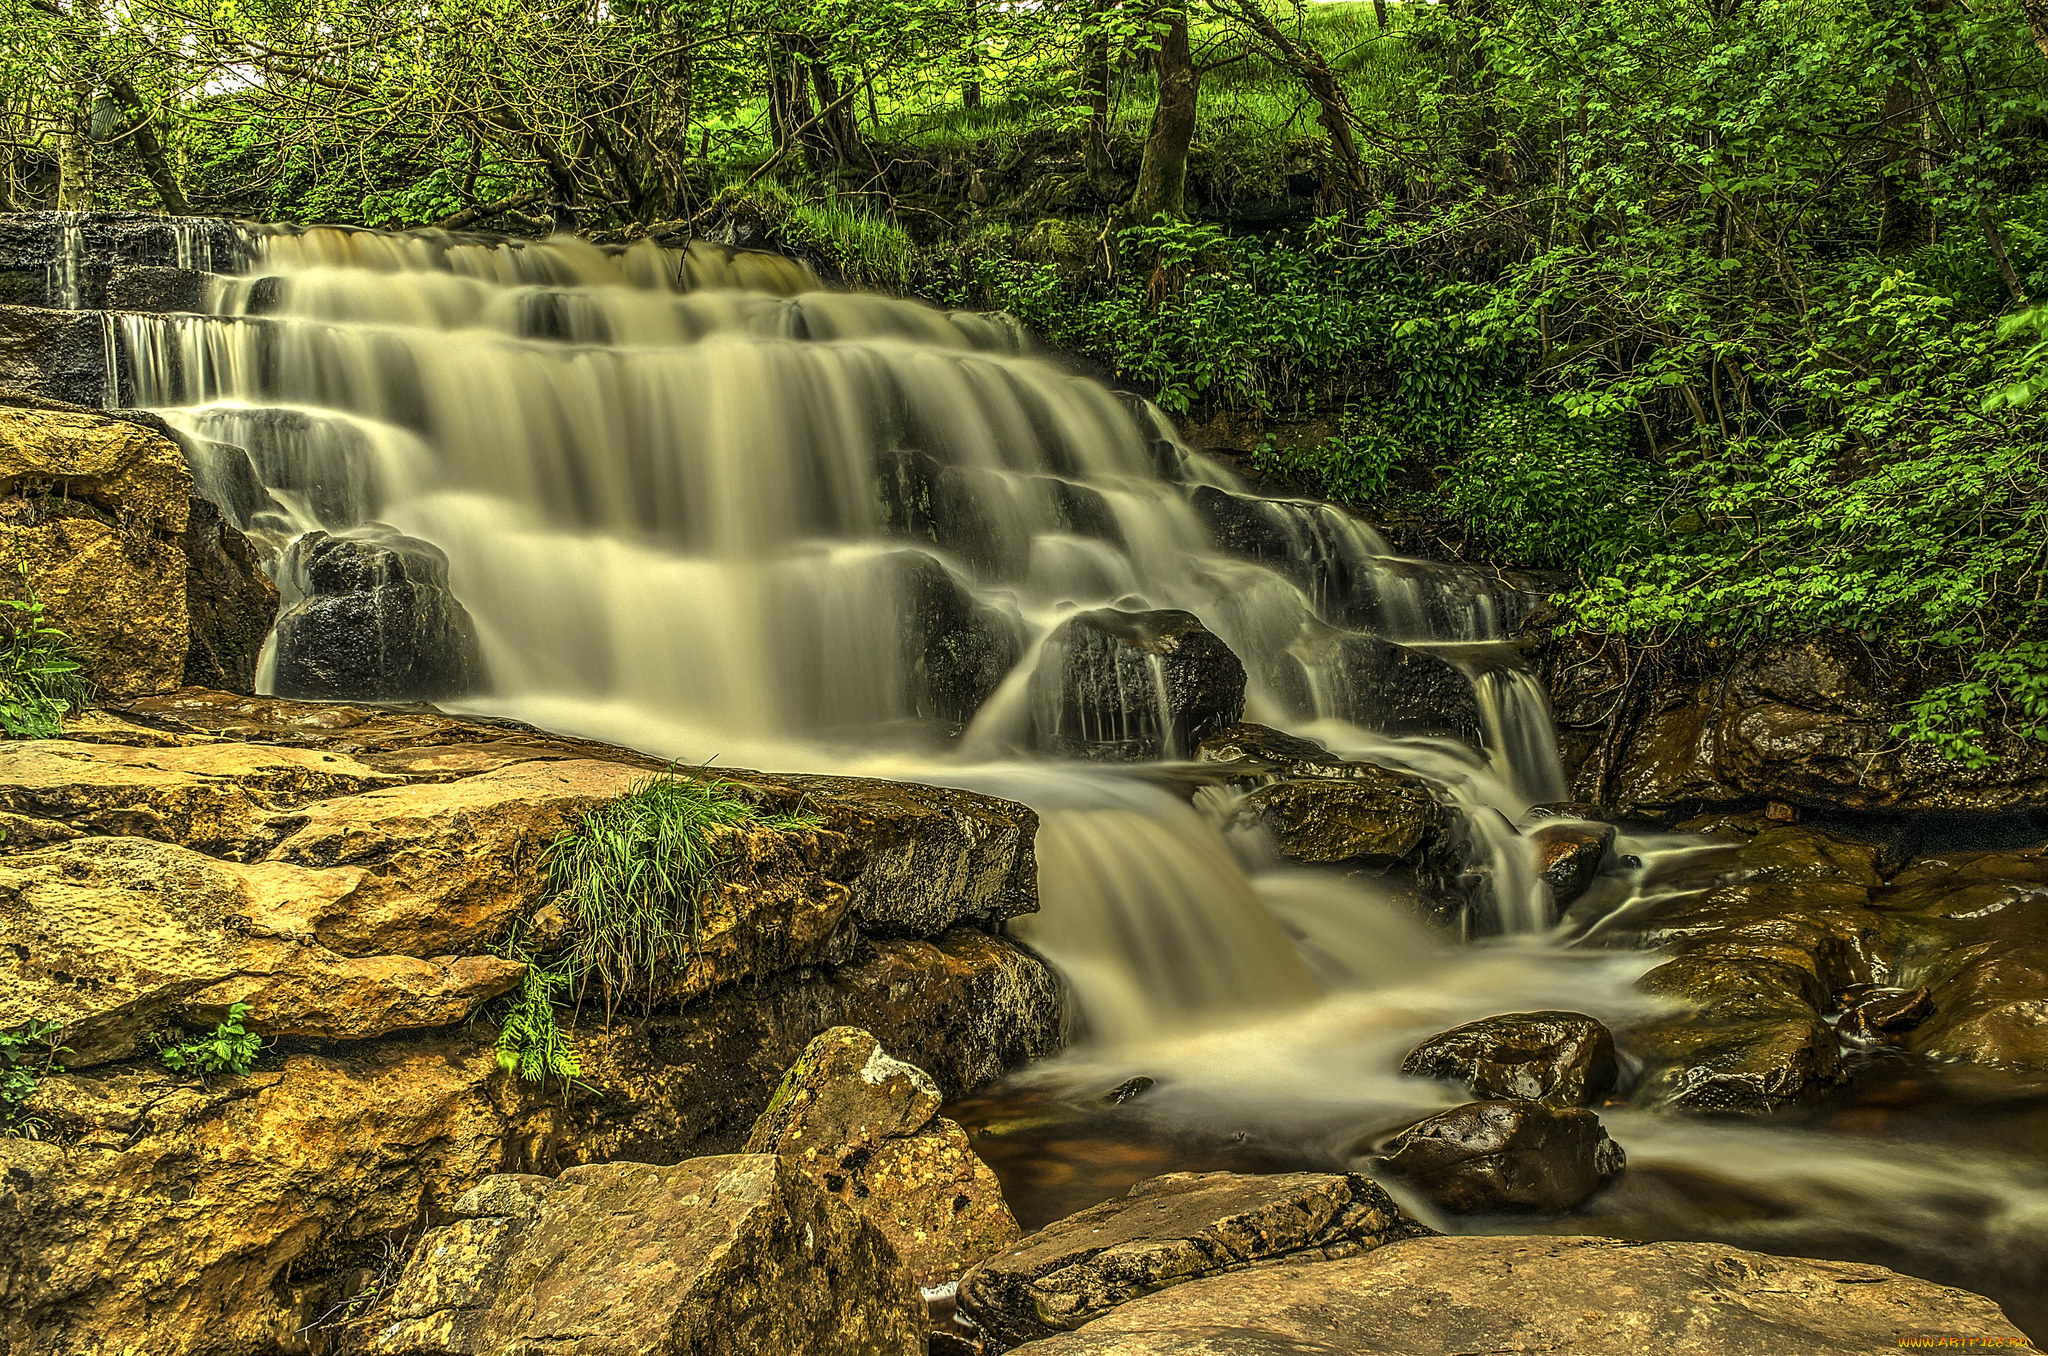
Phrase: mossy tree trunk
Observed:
(1163, 172)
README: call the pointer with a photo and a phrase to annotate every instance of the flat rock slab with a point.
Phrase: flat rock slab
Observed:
(1583, 1296)
(741, 1253)
(1171, 1230)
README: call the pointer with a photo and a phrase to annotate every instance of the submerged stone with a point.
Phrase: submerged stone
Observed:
(1491, 1157)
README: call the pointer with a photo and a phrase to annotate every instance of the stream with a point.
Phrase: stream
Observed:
(694, 503)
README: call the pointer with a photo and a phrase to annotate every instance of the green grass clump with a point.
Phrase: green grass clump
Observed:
(42, 675)
(632, 873)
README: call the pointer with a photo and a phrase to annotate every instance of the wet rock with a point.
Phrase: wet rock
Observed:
(373, 620)
(1253, 755)
(1975, 934)
(231, 603)
(1404, 690)
(213, 1218)
(95, 510)
(866, 1129)
(1129, 1090)
(1563, 1058)
(1586, 1296)
(957, 650)
(1885, 1012)
(1806, 723)
(1169, 1231)
(1569, 856)
(1491, 1157)
(739, 1253)
(1136, 685)
(967, 1007)
(54, 355)
(1372, 818)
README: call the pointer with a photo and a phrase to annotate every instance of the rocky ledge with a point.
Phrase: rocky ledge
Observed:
(346, 872)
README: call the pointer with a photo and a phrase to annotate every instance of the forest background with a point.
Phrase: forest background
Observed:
(1730, 309)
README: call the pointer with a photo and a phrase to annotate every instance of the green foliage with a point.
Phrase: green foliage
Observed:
(632, 873)
(41, 676)
(1354, 466)
(1538, 487)
(863, 248)
(530, 1038)
(27, 1056)
(229, 1048)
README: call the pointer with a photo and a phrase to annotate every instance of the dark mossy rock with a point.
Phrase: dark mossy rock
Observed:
(56, 355)
(1493, 1157)
(1563, 1058)
(957, 649)
(1569, 856)
(372, 619)
(1136, 685)
(232, 603)
(1374, 818)
(1171, 1230)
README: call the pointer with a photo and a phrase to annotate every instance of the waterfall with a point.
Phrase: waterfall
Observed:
(697, 503)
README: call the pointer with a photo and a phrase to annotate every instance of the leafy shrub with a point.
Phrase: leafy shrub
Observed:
(1541, 488)
(41, 674)
(1352, 467)
(631, 874)
(229, 1048)
(27, 1055)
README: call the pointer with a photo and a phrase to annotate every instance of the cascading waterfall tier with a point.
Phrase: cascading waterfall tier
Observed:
(695, 502)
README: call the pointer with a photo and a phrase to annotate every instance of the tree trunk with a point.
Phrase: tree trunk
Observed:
(1308, 65)
(668, 122)
(1163, 172)
(970, 90)
(75, 188)
(162, 176)
(1095, 90)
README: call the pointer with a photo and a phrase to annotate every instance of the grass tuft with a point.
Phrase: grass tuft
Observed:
(632, 873)
(42, 674)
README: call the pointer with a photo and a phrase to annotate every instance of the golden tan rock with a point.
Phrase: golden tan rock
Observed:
(114, 936)
(219, 797)
(128, 471)
(740, 1253)
(93, 508)
(866, 1128)
(158, 1217)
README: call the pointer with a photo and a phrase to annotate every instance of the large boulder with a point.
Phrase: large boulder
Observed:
(1563, 1058)
(957, 649)
(1975, 937)
(1137, 685)
(1585, 1296)
(1169, 1231)
(95, 509)
(112, 937)
(866, 1128)
(1374, 817)
(372, 618)
(739, 1253)
(223, 1217)
(1491, 1157)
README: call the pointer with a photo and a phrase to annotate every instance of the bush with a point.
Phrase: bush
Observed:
(1541, 488)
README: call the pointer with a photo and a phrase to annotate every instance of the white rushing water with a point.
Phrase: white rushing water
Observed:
(691, 501)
